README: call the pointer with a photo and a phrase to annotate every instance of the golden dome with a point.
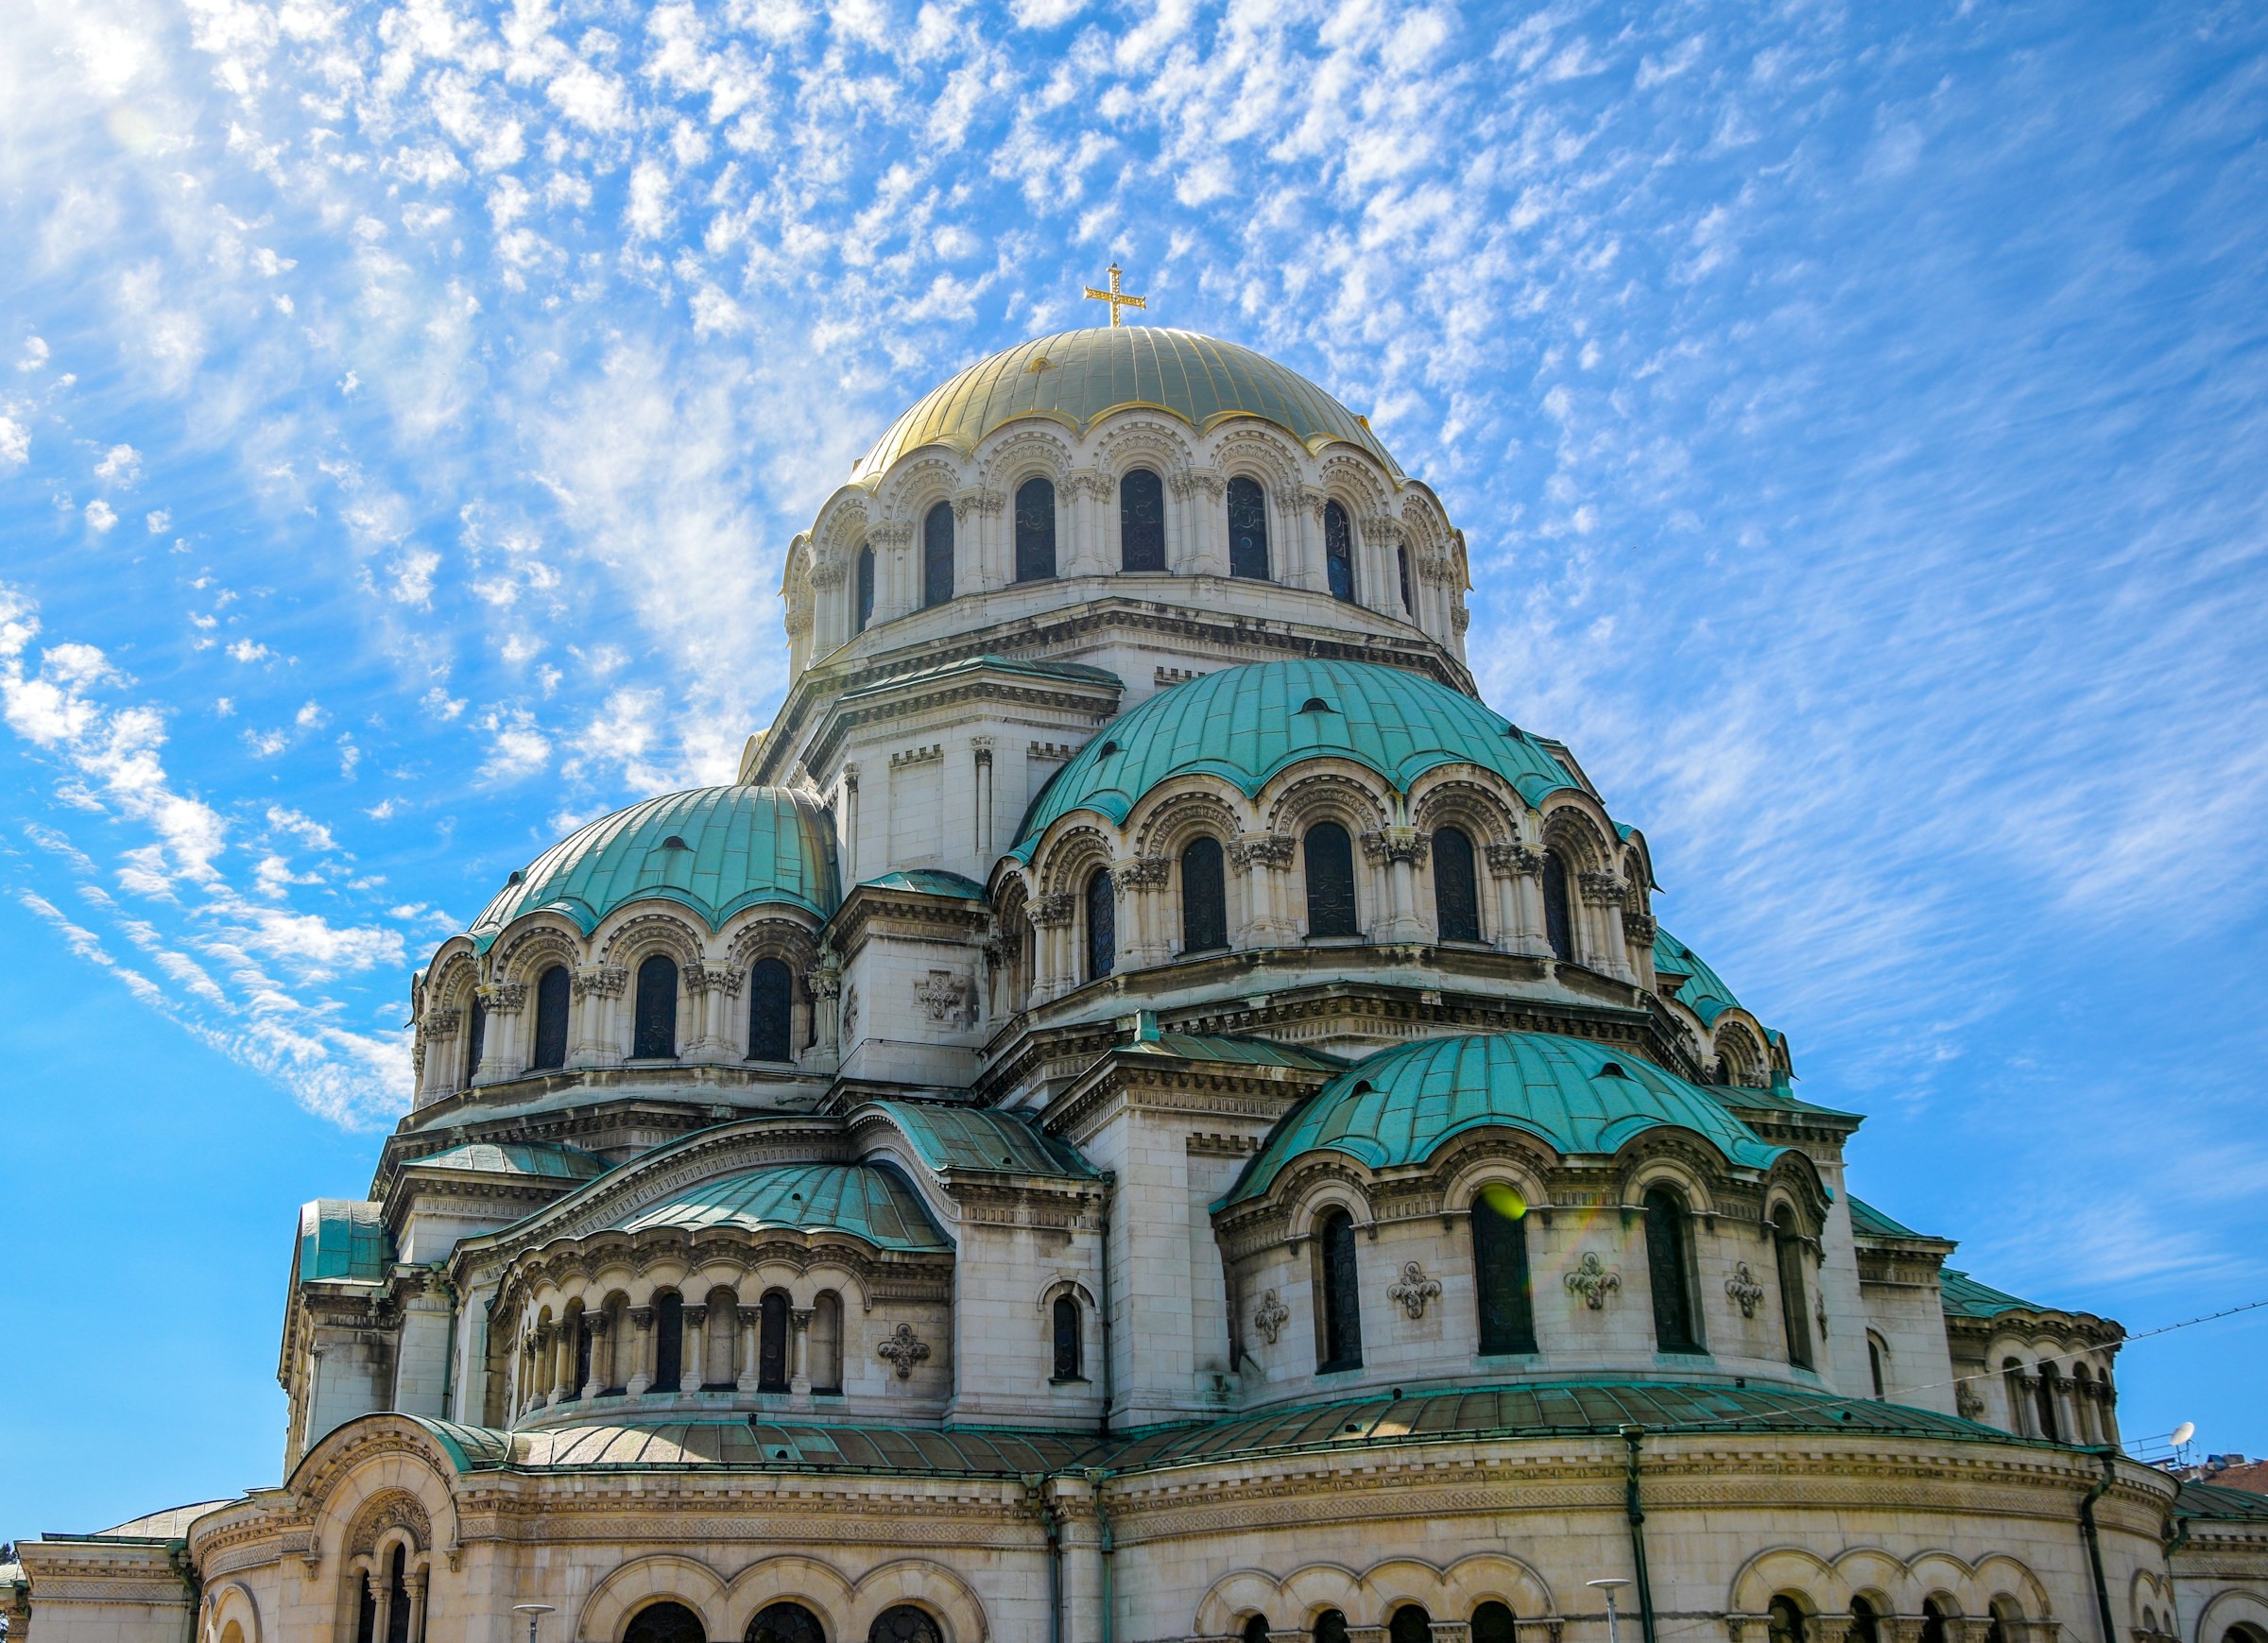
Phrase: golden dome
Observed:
(1078, 376)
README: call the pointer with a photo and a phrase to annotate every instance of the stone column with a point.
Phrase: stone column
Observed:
(713, 988)
(1083, 492)
(642, 1322)
(751, 1341)
(896, 589)
(1264, 857)
(799, 1336)
(983, 852)
(850, 851)
(593, 990)
(1399, 849)
(503, 1048)
(1051, 926)
(824, 980)
(696, 1348)
(1202, 540)
(1602, 895)
(1138, 883)
(382, 1594)
(1518, 872)
(601, 1327)
(415, 1581)
(562, 1360)
(977, 566)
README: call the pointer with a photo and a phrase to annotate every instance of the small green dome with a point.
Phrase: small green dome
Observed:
(1703, 991)
(715, 849)
(1400, 1106)
(1081, 375)
(1245, 724)
(866, 1201)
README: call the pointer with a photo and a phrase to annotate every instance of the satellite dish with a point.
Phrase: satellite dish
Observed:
(2184, 1433)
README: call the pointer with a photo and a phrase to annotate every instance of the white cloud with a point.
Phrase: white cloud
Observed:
(15, 443)
(101, 516)
(159, 522)
(516, 748)
(247, 651)
(121, 466)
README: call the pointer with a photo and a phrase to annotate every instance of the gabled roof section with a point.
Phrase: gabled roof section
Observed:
(1869, 1221)
(1704, 992)
(871, 1202)
(927, 881)
(949, 1136)
(1076, 673)
(547, 1159)
(342, 1240)
(1964, 1297)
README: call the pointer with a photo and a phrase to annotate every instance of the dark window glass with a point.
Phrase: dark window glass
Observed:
(771, 1010)
(582, 1355)
(1558, 918)
(2049, 1428)
(1068, 1356)
(366, 1623)
(1409, 607)
(771, 1342)
(1338, 552)
(1204, 898)
(1330, 861)
(669, 1341)
(1994, 1631)
(1342, 1316)
(1787, 1249)
(1667, 1270)
(785, 1623)
(1865, 1626)
(1499, 1257)
(1102, 926)
(936, 555)
(665, 1623)
(1142, 521)
(1933, 1621)
(656, 1038)
(863, 593)
(551, 996)
(476, 1036)
(1874, 1364)
(1456, 891)
(1410, 1624)
(1247, 530)
(397, 1585)
(1330, 1627)
(1785, 1622)
(1035, 530)
(903, 1623)
(1492, 1622)
(1256, 1629)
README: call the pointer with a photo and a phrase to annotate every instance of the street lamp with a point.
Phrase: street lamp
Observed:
(1609, 1587)
(534, 1612)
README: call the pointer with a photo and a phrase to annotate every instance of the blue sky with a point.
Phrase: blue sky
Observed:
(1856, 417)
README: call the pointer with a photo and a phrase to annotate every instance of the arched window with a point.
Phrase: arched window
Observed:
(1142, 521)
(1410, 1624)
(785, 1623)
(1787, 1251)
(1865, 1624)
(862, 610)
(1339, 1320)
(903, 1623)
(2012, 1382)
(669, 1341)
(1409, 609)
(1874, 1363)
(1669, 1271)
(1338, 552)
(476, 1036)
(397, 1592)
(1558, 916)
(936, 555)
(665, 1622)
(1330, 1627)
(1035, 530)
(2002, 1610)
(582, 1354)
(1785, 1621)
(825, 1347)
(1204, 897)
(771, 1011)
(1499, 1261)
(1069, 1363)
(2083, 1386)
(1101, 925)
(366, 1611)
(771, 1342)
(1247, 530)
(1456, 891)
(655, 1038)
(2051, 1427)
(1256, 1629)
(1933, 1621)
(1492, 1622)
(1329, 858)
(553, 992)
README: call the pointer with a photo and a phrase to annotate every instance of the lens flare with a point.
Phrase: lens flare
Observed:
(1504, 1200)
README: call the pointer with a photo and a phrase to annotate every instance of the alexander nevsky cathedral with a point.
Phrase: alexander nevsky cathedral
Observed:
(1147, 1113)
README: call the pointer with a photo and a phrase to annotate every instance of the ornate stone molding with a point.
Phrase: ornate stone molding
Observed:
(979, 503)
(1210, 483)
(1514, 860)
(1743, 1289)
(902, 1350)
(1248, 850)
(1396, 843)
(827, 574)
(942, 996)
(1052, 909)
(1413, 1288)
(1592, 1280)
(600, 981)
(503, 998)
(704, 977)
(1270, 1316)
(1142, 873)
(1602, 889)
(1640, 927)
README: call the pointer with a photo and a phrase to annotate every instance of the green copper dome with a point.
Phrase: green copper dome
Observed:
(1703, 991)
(866, 1201)
(1400, 1106)
(1245, 724)
(1081, 375)
(715, 849)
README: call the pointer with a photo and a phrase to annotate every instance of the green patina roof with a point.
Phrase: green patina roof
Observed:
(743, 846)
(948, 1137)
(1238, 1052)
(1400, 1106)
(342, 1240)
(2217, 1500)
(1245, 724)
(1705, 993)
(1869, 1221)
(546, 1158)
(1964, 1297)
(930, 882)
(1072, 672)
(867, 1201)
(1077, 376)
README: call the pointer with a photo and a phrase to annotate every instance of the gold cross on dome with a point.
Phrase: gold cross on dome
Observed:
(1116, 297)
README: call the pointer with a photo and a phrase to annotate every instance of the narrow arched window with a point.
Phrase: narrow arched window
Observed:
(397, 1591)
(1338, 552)
(771, 1342)
(903, 1623)
(1492, 1622)
(1248, 529)
(1410, 1624)
(669, 1341)
(366, 1622)
(785, 1623)
(1330, 1627)
(1456, 890)
(1035, 530)
(1339, 1320)
(936, 555)
(1328, 857)
(1499, 1261)
(825, 1350)
(1873, 1365)
(582, 1354)
(1204, 897)
(476, 1036)
(863, 593)
(771, 1011)
(1256, 1629)
(1101, 925)
(1865, 1624)
(656, 1035)
(1558, 916)
(665, 1622)
(1409, 605)
(553, 993)
(1142, 521)
(1787, 1251)
(1669, 1271)
(1069, 1364)
(2049, 1427)
(1785, 1621)
(1933, 1621)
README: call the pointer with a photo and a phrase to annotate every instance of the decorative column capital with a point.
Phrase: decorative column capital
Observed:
(1602, 889)
(696, 1316)
(1051, 910)
(642, 1319)
(799, 1318)
(1248, 850)
(600, 981)
(1514, 860)
(1141, 873)
(1396, 843)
